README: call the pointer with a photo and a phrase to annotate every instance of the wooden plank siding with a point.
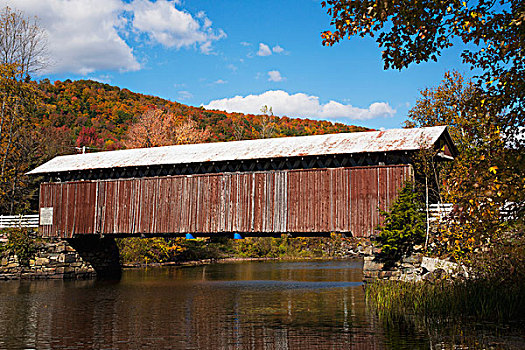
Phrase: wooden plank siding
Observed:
(310, 201)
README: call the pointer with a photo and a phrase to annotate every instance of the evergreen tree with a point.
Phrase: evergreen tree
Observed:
(403, 227)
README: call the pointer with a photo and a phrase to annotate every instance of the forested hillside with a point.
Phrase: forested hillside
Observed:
(98, 115)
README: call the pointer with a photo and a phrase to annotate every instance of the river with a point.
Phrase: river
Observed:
(244, 305)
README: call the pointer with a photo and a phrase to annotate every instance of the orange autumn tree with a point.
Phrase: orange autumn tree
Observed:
(22, 52)
(157, 127)
(485, 182)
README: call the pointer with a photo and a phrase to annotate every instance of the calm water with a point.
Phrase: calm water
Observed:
(249, 305)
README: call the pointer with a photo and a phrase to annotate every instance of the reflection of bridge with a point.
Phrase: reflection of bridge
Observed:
(310, 185)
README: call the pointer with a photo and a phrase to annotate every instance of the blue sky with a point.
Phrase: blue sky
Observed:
(231, 55)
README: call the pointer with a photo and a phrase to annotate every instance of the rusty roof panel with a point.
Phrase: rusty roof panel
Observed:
(343, 143)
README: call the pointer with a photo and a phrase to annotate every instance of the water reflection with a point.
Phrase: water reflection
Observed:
(252, 305)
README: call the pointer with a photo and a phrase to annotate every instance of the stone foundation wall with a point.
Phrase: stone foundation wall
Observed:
(413, 268)
(54, 259)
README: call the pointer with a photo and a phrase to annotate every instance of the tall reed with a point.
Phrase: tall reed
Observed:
(480, 299)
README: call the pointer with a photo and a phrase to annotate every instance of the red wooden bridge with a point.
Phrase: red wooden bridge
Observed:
(302, 186)
(310, 185)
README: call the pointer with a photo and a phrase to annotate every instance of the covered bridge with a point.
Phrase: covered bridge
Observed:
(308, 185)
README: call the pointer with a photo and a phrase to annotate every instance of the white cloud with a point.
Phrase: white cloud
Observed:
(220, 81)
(300, 105)
(277, 49)
(264, 50)
(171, 27)
(105, 78)
(335, 109)
(85, 36)
(274, 75)
(82, 35)
(245, 43)
(185, 95)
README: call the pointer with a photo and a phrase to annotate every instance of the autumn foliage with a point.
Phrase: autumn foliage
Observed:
(111, 111)
(160, 128)
(485, 182)
(19, 142)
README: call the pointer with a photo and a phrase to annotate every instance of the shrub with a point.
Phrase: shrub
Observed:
(160, 249)
(20, 243)
(3, 247)
(287, 247)
(403, 227)
(144, 250)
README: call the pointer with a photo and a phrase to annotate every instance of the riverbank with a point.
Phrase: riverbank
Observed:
(145, 252)
(28, 257)
(439, 290)
(232, 260)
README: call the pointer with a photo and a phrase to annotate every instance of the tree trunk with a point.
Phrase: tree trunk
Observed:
(428, 216)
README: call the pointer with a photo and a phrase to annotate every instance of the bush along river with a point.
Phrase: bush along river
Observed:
(240, 305)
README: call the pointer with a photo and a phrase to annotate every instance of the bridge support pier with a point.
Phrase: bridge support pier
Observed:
(101, 253)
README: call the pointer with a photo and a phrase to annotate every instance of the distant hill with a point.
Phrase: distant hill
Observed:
(105, 112)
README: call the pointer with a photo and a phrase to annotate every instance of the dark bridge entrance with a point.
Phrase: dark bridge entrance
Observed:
(311, 185)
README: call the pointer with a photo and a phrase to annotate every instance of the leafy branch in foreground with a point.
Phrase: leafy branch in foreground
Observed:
(493, 33)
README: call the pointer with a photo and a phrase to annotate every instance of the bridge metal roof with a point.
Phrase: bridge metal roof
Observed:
(328, 144)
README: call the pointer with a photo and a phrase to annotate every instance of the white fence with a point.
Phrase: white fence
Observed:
(19, 221)
(439, 211)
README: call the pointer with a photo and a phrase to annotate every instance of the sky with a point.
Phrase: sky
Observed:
(234, 55)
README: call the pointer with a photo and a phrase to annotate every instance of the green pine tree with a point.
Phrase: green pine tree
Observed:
(403, 227)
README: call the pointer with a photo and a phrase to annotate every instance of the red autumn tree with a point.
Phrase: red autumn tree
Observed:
(89, 137)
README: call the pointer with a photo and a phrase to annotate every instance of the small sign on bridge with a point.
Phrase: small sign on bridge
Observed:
(46, 216)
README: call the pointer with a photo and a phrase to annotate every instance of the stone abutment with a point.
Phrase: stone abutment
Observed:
(76, 258)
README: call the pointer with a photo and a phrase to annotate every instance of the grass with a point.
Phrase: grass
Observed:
(481, 299)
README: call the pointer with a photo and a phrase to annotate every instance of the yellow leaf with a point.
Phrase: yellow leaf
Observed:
(493, 169)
